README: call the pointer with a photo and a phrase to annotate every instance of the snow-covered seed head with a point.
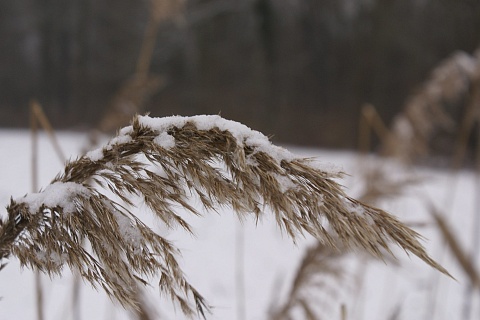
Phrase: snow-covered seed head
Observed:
(163, 162)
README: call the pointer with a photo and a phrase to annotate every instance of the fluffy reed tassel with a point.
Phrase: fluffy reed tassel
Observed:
(166, 161)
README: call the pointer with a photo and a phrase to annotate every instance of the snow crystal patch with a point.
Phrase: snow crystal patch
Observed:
(58, 194)
(165, 140)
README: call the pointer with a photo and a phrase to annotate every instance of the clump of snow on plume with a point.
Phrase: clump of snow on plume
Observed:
(122, 138)
(95, 155)
(58, 194)
(242, 134)
(165, 140)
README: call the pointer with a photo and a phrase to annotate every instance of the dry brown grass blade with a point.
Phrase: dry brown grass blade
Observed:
(164, 162)
(455, 248)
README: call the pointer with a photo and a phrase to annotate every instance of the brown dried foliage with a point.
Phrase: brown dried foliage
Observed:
(125, 252)
(425, 112)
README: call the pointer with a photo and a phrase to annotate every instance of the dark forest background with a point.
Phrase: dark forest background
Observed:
(296, 69)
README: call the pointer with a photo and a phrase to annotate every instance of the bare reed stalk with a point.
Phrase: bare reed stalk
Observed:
(36, 114)
(165, 162)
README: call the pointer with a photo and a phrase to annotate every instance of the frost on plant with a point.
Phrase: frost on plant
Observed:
(164, 162)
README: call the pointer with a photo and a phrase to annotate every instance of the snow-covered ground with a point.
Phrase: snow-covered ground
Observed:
(211, 259)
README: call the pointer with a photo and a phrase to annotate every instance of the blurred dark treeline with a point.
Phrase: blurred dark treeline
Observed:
(297, 69)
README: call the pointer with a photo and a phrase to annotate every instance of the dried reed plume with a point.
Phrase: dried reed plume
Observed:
(165, 162)
(425, 112)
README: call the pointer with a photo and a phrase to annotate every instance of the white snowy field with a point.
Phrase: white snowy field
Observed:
(211, 260)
